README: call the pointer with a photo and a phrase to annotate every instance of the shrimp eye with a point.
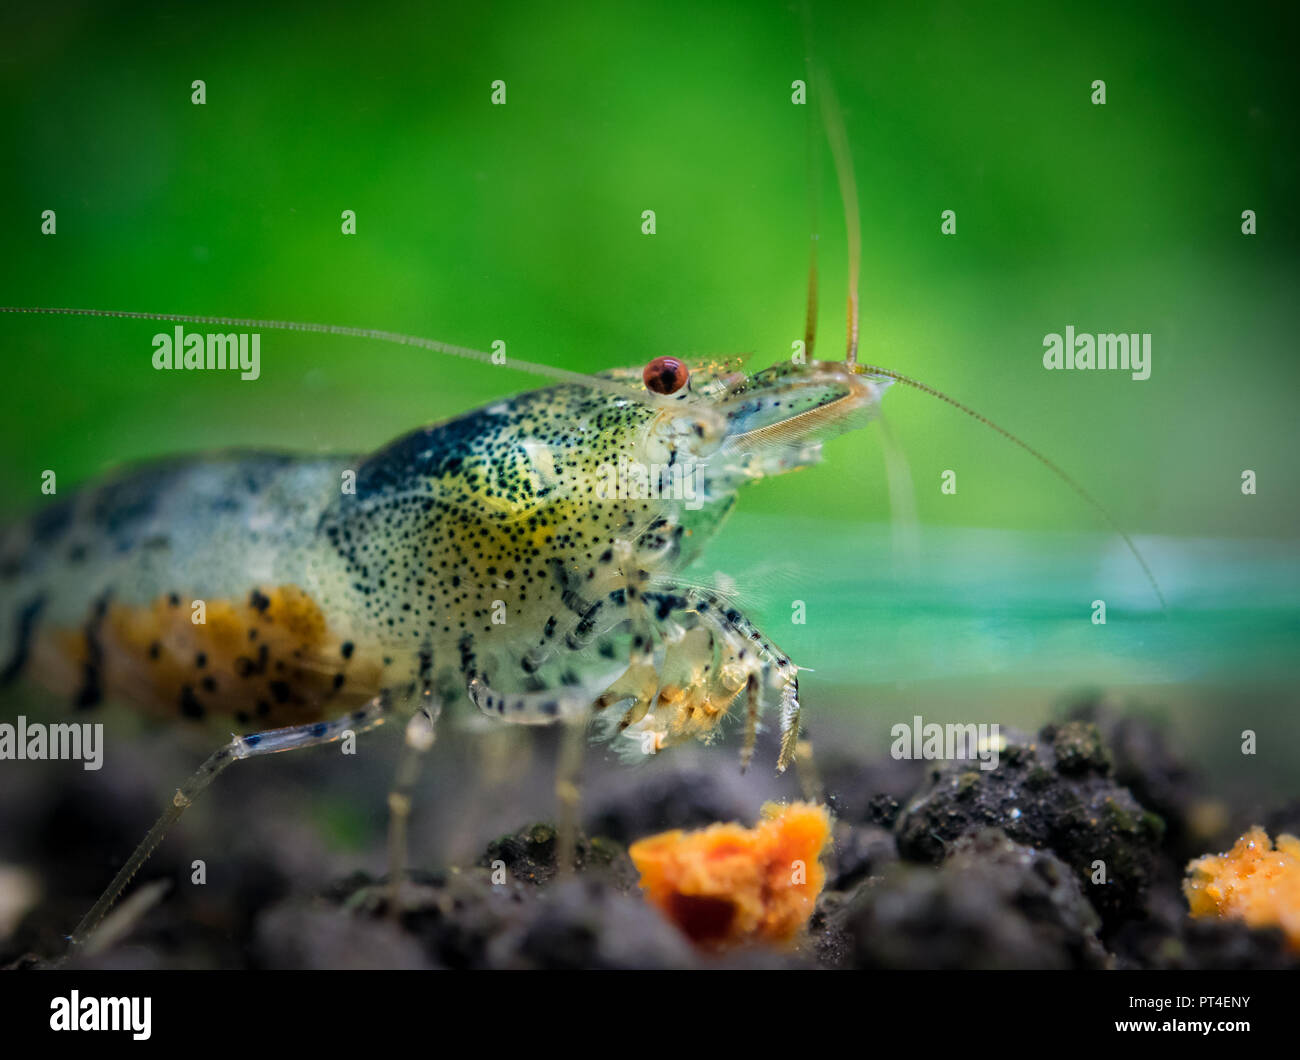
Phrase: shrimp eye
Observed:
(665, 375)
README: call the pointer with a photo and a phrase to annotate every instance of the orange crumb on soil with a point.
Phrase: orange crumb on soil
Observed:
(1255, 882)
(727, 884)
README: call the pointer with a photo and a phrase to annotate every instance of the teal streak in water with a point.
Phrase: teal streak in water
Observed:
(1014, 606)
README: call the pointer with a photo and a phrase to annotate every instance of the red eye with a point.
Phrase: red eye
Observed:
(665, 375)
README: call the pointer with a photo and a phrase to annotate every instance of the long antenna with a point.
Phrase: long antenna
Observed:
(839, 142)
(1056, 469)
(376, 334)
(810, 317)
(813, 155)
(833, 118)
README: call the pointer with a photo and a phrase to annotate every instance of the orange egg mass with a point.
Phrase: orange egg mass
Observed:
(1254, 882)
(727, 884)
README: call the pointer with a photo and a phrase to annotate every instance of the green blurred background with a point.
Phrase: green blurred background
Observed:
(523, 223)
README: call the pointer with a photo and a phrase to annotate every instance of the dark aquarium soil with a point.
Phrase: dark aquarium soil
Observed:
(933, 866)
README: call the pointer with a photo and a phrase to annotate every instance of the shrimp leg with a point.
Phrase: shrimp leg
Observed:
(421, 731)
(712, 652)
(271, 741)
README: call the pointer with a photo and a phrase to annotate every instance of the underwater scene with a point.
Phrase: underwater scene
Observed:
(762, 486)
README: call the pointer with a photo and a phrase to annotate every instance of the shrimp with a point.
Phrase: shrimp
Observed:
(524, 554)
(527, 555)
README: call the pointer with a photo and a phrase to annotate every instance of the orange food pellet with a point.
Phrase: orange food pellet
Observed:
(1255, 882)
(727, 884)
